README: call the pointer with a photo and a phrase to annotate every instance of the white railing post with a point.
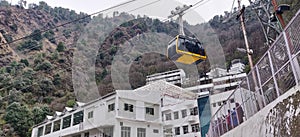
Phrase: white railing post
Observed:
(219, 130)
(273, 74)
(290, 56)
(253, 103)
(253, 108)
(260, 89)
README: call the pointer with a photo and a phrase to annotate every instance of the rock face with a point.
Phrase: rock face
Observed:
(283, 119)
(7, 55)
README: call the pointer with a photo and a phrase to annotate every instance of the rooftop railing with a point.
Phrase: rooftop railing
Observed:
(275, 73)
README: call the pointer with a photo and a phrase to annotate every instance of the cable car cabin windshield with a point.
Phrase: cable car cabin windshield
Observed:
(192, 47)
(172, 50)
(186, 50)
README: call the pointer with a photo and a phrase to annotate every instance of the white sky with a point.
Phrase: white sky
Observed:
(163, 8)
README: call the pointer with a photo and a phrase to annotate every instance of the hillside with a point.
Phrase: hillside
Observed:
(37, 72)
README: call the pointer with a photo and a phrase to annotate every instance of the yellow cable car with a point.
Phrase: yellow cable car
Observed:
(186, 50)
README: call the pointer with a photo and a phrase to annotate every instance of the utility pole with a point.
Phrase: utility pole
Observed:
(249, 53)
(241, 16)
(279, 16)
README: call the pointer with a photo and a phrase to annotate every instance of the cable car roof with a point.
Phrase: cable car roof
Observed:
(185, 37)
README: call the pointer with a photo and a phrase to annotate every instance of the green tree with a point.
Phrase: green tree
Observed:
(60, 47)
(14, 96)
(14, 27)
(50, 36)
(4, 3)
(37, 35)
(46, 65)
(44, 6)
(46, 86)
(19, 117)
(118, 34)
(8, 37)
(30, 45)
(25, 61)
(39, 114)
(70, 103)
(57, 80)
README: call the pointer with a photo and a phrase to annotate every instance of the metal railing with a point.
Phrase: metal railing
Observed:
(276, 72)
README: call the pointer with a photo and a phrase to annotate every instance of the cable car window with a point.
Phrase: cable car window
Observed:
(172, 49)
(181, 44)
(192, 47)
(201, 50)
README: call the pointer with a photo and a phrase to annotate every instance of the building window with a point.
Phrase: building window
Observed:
(177, 130)
(66, 122)
(125, 131)
(141, 132)
(185, 129)
(195, 128)
(155, 131)
(168, 131)
(111, 107)
(183, 113)
(214, 104)
(87, 134)
(77, 118)
(56, 125)
(176, 115)
(48, 129)
(108, 132)
(194, 111)
(90, 114)
(128, 107)
(232, 100)
(168, 117)
(40, 131)
(149, 111)
(219, 103)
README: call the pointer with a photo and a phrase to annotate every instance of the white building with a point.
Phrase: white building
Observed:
(179, 110)
(125, 113)
(119, 114)
(224, 84)
(180, 118)
(175, 77)
(154, 110)
(219, 84)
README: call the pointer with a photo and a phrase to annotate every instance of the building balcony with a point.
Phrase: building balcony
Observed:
(193, 119)
(168, 123)
(166, 109)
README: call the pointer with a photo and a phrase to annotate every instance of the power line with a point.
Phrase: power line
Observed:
(232, 7)
(53, 38)
(75, 21)
(84, 18)
(87, 16)
(197, 3)
(63, 35)
(195, 6)
(201, 4)
(61, 25)
(144, 6)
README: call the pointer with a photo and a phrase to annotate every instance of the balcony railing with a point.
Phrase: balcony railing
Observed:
(276, 72)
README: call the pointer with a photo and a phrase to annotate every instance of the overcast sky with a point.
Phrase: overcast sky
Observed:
(162, 9)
